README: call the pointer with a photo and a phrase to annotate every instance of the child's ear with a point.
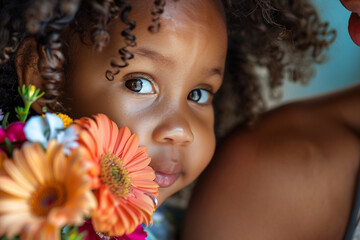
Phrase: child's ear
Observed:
(26, 63)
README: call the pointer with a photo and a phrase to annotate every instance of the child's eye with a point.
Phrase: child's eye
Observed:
(200, 96)
(139, 85)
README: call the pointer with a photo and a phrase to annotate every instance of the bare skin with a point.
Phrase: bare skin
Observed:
(292, 177)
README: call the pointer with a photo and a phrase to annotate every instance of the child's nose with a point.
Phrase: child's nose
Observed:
(174, 129)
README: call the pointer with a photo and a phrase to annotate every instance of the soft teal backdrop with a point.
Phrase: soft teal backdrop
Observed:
(342, 67)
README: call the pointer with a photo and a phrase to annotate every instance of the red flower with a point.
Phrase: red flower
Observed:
(14, 132)
(138, 234)
(2, 135)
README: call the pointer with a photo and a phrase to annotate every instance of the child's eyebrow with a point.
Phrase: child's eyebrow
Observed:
(158, 57)
(153, 55)
(215, 71)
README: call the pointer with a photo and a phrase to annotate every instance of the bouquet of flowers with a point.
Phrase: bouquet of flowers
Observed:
(65, 179)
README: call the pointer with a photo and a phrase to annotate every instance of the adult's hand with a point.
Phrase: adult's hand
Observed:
(354, 21)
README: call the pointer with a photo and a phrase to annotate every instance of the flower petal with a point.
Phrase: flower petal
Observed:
(146, 173)
(35, 158)
(130, 148)
(22, 165)
(49, 232)
(34, 130)
(15, 132)
(58, 163)
(122, 137)
(12, 224)
(138, 163)
(89, 142)
(18, 177)
(9, 186)
(68, 138)
(13, 205)
(54, 123)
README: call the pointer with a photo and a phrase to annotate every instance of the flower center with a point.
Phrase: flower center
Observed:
(67, 121)
(115, 175)
(46, 197)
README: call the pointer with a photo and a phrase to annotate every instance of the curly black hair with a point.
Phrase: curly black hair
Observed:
(282, 37)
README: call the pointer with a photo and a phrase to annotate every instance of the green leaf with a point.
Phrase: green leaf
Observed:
(4, 122)
(72, 233)
(29, 95)
(21, 113)
(9, 146)
(5, 238)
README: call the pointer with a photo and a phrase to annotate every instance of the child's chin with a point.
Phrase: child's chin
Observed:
(164, 193)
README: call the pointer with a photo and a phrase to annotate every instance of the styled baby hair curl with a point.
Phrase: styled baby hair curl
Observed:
(130, 41)
(156, 13)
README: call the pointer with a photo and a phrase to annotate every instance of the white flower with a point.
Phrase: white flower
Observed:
(1, 115)
(42, 130)
(68, 137)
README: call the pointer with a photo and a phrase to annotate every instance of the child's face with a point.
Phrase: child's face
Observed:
(164, 95)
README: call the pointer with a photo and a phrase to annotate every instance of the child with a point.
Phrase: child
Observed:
(163, 84)
(295, 175)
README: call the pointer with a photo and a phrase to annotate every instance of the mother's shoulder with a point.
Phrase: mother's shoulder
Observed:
(325, 128)
(292, 176)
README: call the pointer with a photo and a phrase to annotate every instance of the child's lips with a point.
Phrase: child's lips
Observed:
(166, 180)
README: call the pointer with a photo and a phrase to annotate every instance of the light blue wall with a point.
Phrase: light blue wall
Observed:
(342, 67)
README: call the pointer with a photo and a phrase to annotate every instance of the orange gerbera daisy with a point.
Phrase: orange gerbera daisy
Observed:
(122, 178)
(41, 192)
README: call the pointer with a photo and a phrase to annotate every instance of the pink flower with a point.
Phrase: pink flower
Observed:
(138, 234)
(2, 135)
(15, 132)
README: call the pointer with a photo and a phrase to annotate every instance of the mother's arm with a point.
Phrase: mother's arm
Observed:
(292, 177)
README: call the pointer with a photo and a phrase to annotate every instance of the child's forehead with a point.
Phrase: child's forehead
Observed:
(184, 9)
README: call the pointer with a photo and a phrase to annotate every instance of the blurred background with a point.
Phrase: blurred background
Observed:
(342, 67)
